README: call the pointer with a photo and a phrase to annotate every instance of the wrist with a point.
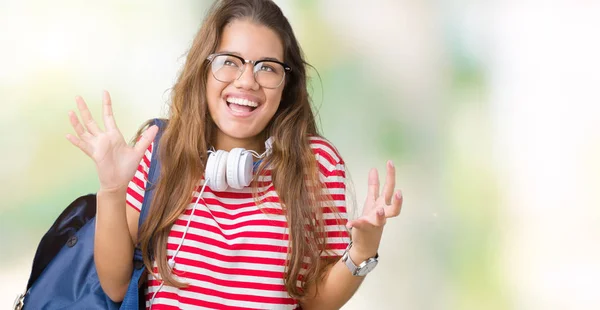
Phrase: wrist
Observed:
(112, 194)
(112, 191)
(360, 263)
(358, 255)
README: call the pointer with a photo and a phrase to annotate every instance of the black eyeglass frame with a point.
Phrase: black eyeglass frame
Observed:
(286, 68)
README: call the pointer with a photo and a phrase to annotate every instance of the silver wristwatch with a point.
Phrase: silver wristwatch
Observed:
(362, 269)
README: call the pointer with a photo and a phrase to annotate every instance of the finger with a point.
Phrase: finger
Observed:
(107, 112)
(374, 219)
(79, 129)
(359, 223)
(379, 218)
(396, 206)
(82, 145)
(390, 182)
(145, 140)
(373, 188)
(86, 116)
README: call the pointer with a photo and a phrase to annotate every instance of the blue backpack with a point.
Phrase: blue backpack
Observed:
(63, 275)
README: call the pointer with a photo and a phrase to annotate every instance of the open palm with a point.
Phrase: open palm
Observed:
(368, 228)
(115, 160)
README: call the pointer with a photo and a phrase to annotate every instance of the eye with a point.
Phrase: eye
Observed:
(229, 61)
(267, 68)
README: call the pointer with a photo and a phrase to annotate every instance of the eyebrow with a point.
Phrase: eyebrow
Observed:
(238, 54)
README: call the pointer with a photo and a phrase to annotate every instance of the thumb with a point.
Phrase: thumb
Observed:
(145, 140)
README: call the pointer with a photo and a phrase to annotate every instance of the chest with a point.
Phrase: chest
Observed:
(238, 226)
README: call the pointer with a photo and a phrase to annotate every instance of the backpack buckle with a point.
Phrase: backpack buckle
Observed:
(18, 304)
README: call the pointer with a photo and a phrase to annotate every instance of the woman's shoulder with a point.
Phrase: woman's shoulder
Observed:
(326, 153)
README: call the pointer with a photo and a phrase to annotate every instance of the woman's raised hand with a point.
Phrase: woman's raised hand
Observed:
(116, 161)
(367, 229)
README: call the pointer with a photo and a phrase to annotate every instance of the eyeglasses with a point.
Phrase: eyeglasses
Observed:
(267, 73)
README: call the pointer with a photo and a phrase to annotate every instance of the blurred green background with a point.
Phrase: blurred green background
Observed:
(487, 109)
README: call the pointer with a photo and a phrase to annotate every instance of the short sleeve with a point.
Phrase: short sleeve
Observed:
(137, 185)
(332, 173)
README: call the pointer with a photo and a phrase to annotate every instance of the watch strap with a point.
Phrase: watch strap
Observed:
(355, 270)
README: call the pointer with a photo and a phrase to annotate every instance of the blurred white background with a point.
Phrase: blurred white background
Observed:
(489, 109)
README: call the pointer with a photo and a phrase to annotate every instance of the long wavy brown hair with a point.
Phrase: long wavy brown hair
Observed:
(190, 130)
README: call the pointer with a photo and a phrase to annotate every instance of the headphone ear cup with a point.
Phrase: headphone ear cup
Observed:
(239, 168)
(245, 168)
(232, 160)
(215, 170)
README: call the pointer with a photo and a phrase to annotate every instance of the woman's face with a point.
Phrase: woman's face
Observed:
(242, 108)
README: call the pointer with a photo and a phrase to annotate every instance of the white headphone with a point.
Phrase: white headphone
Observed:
(232, 169)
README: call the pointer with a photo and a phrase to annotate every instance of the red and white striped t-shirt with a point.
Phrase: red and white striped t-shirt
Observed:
(234, 253)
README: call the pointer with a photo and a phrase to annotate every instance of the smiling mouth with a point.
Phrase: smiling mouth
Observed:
(241, 105)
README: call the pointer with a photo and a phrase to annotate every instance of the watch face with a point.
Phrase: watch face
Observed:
(370, 265)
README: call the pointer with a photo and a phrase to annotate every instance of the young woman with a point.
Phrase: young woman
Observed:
(269, 233)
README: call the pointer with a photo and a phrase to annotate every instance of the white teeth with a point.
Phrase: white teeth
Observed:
(241, 101)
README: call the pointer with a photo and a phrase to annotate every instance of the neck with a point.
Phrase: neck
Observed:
(226, 143)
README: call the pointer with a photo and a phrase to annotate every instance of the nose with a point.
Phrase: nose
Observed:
(246, 80)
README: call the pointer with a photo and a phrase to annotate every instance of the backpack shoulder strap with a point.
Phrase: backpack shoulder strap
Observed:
(153, 175)
(154, 172)
(135, 297)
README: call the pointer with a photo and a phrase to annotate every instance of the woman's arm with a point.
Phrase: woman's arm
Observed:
(116, 163)
(113, 244)
(338, 284)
